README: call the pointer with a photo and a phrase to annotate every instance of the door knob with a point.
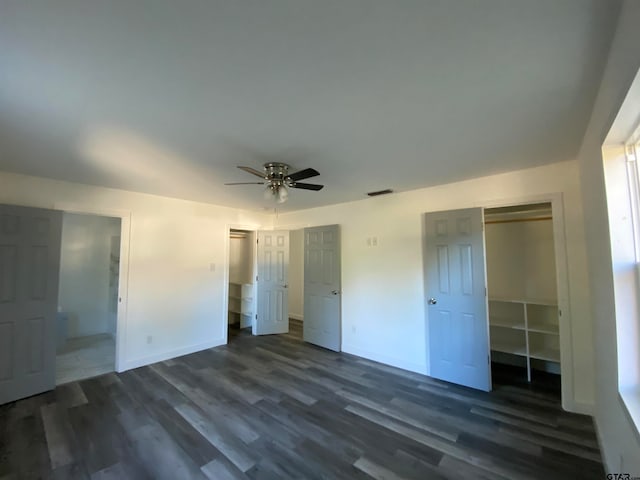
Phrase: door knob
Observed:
(432, 301)
(334, 292)
(286, 285)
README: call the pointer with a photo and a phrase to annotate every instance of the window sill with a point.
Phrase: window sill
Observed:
(630, 397)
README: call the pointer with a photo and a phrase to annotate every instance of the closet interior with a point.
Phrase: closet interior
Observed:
(241, 279)
(522, 288)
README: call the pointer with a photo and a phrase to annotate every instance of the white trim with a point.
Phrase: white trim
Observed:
(160, 357)
(607, 463)
(385, 359)
(123, 278)
(631, 165)
(564, 293)
(296, 316)
(630, 399)
(581, 408)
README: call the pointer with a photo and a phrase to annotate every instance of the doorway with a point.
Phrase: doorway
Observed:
(86, 319)
(34, 322)
(241, 288)
(296, 282)
(530, 328)
(522, 293)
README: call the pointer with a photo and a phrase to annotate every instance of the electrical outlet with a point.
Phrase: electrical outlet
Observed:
(149, 339)
(212, 267)
(353, 329)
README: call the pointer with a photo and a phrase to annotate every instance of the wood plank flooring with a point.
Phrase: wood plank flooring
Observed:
(274, 407)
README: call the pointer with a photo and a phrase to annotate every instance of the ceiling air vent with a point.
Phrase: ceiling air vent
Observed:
(380, 192)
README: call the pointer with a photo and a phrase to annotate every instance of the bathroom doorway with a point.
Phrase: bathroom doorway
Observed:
(86, 323)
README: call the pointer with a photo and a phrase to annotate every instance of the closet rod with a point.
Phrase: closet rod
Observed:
(514, 220)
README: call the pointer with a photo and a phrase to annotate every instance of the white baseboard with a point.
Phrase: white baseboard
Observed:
(582, 408)
(387, 360)
(296, 316)
(160, 357)
(606, 461)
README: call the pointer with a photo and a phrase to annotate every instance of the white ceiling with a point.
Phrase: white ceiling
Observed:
(167, 97)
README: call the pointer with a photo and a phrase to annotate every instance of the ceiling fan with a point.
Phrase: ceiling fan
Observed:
(278, 180)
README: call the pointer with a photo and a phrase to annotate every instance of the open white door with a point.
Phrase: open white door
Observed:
(29, 270)
(456, 298)
(273, 266)
(322, 321)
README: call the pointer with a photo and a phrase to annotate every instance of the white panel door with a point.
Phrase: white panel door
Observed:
(322, 306)
(273, 267)
(456, 297)
(29, 270)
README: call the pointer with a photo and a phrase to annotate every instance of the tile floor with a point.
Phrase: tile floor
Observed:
(85, 357)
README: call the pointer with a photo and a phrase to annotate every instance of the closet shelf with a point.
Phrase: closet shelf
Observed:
(243, 299)
(548, 354)
(530, 301)
(545, 329)
(241, 303)
(502, 323)
(507, 348)
(525, 328)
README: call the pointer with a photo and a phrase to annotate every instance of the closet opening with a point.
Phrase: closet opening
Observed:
(242, 283)
(522, 295)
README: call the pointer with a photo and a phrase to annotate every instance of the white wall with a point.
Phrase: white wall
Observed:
(241, 259)
(296, 274)
(114, 281)
(383, 311)
(619, 439)
(174, 294)
(521, 260)
(84, 272)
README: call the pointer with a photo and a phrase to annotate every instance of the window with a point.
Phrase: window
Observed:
(622, 177)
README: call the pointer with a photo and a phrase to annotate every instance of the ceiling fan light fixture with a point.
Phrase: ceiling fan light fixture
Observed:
(282, 194)
(270, 192)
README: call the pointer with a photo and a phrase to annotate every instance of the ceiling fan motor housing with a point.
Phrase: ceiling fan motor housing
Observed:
(276, 173)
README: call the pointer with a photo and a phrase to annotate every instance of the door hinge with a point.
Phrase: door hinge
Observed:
(485, 291)
(256, 278)
(559, 312)
(488, 359)
(256, 316)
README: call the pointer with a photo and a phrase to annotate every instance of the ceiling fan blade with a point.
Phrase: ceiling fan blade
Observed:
(253, 171)
(307, 186)
(302, 174)
(245, 183)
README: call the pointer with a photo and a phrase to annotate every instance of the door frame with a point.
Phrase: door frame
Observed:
(123, 277)
(227, 252)
(562, 284)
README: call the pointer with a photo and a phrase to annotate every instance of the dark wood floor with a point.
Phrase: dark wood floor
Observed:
(274, 407)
